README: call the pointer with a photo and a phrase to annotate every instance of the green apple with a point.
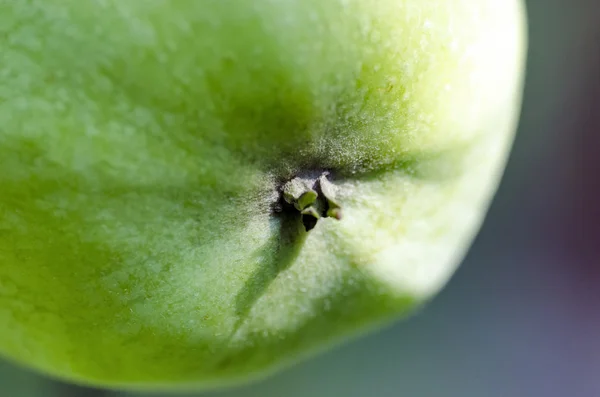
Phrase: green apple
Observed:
(196, 193)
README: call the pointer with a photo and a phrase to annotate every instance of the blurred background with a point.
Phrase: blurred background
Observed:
(522, 315)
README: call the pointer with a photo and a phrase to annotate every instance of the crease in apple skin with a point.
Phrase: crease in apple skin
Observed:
(142, 145)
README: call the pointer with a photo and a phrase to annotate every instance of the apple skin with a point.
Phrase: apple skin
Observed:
(142, 146)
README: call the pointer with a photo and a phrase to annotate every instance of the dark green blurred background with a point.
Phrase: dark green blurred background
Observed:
(521, 318)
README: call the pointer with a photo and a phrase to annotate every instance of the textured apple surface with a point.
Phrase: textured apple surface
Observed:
(143, 146)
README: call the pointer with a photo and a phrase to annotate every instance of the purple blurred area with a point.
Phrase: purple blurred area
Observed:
(521, 318)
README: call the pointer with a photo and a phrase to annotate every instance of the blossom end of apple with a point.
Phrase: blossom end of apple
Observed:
(314, 198)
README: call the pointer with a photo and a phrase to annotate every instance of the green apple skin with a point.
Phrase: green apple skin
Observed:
(143, 143)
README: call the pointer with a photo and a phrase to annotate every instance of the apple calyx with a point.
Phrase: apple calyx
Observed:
(314, 198)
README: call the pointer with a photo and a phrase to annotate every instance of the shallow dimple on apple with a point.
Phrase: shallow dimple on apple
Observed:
(142, 160)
